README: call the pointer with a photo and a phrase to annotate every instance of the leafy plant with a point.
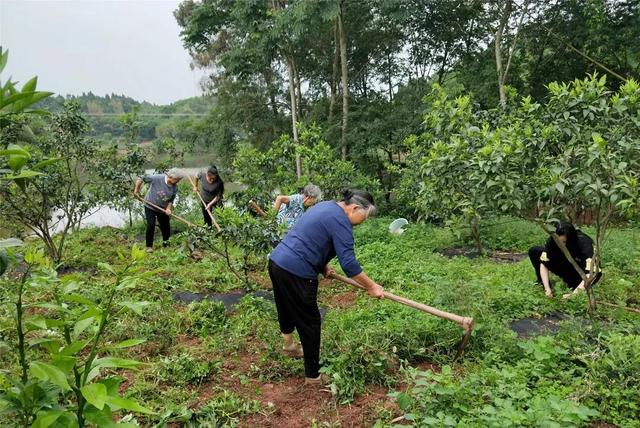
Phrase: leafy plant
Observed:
(71, 329)
(184, 369)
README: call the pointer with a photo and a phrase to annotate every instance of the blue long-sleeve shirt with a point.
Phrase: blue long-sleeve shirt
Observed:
(321, 233)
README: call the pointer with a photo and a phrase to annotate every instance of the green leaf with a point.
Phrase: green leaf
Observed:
(64, 362)
(4, 57)
(74, 347)
(136, 307)
(25, 173)
(16, 162)
(107, 267)
(47, 372)
(560, 187)
(95, 393)
(82, 325)
(47, 418)
(116, 403)
(45, 162)
(403, 401)
(31, 84)
(113, 362)
(127, 344)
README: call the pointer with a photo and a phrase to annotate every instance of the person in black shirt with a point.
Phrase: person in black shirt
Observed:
(211, 190)
(551, 259)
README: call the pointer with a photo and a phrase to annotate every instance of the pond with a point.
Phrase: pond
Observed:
(107, 216)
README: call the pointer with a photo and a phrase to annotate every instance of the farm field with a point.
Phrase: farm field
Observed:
(207, 365)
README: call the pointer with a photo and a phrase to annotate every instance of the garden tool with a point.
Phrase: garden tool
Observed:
(257, 208)
(465, 322)
(213, 220)
(176, 216)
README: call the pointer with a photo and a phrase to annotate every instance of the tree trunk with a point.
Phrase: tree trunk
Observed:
(389, 76)
(296, 79)
(498, 50)
(334, 75)
(294, 118)
(443, 64)
(345, 82)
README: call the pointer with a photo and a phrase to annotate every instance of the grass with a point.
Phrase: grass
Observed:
(207, 366)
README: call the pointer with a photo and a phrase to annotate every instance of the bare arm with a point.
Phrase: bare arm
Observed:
(136, 188)
(282, 199)
(373, 289)
(544, 274)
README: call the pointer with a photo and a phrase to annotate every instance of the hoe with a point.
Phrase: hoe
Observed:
(213, 219)
(465, 322)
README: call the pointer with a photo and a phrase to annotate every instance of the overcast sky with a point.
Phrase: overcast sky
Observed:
(129, 47)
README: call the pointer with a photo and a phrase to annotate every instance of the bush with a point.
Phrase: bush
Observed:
(184, 369)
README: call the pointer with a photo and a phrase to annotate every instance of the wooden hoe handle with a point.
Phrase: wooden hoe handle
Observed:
(465, 322)
(257, 208)
(152, 205)
(213, 219)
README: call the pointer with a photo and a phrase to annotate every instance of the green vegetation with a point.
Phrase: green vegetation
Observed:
(587, 371)
(92, 332)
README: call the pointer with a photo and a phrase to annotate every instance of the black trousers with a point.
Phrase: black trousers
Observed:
(205, 214)
(297, 304)
(163, 220)
(562, 268)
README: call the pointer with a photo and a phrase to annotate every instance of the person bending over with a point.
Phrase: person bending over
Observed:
(290, 208)
(321, 234)
(551, 259)
(162, 192)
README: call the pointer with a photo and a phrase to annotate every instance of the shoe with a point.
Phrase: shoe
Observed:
(149, 249)
(321, 380)
(295, 351)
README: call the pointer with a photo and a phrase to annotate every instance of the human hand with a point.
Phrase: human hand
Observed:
(549, 293)
(168, 211)
(328, 271)
(376, 291)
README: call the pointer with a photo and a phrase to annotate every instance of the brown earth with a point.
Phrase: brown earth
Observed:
(496, 256)
(290, 403)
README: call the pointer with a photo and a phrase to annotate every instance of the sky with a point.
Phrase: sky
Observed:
(129, 47)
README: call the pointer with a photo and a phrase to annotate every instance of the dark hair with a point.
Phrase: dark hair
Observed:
(564, 228)
(362, 198)
(212, 170)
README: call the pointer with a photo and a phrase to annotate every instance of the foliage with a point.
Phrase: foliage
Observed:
(71, 330)
(184, 369)
(274, 169)
(206, 317)
(84, 177)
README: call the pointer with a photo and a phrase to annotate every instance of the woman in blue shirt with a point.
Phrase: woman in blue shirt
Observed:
(320, 235)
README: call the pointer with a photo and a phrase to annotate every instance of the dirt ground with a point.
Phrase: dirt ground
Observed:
(496, 256)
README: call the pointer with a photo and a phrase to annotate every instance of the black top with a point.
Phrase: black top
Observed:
(580, 250)
(208, 191)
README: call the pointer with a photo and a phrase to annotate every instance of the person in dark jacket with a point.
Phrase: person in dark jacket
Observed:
(551, 259)
(321, 234)
(211, 191)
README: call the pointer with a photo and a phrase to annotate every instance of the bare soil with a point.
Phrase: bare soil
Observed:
(496, 256)
(290, 403)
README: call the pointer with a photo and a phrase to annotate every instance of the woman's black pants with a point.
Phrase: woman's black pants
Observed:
(297, 304)
(163, 220)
